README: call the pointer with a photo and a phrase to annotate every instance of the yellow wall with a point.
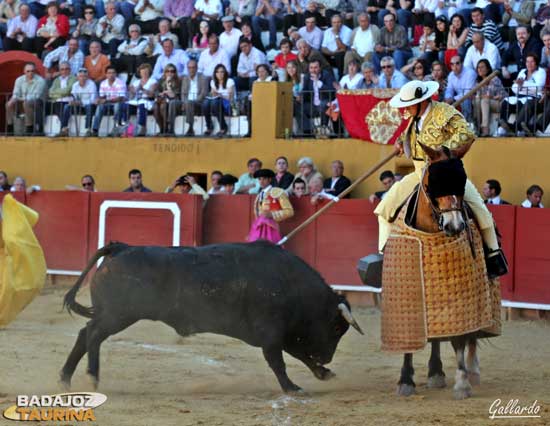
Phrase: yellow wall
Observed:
(53, 163)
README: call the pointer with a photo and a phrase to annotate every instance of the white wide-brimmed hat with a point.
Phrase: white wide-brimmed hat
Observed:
(413, 93)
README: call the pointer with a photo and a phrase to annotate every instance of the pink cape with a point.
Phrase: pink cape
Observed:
(264, 228)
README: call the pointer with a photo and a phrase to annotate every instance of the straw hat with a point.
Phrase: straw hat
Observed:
(413, 93)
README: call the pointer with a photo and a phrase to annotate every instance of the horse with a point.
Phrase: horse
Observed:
(439, 207)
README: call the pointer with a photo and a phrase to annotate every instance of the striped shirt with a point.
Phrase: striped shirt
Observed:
(489, 30)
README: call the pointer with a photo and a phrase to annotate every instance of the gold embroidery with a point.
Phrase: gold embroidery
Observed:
(382, 121)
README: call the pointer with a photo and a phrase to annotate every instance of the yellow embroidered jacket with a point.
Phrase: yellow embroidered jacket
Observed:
(276, 201)
(443, 126)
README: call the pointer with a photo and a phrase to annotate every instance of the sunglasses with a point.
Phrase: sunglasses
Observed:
(386, 66)
(87, 184)
(88, 13)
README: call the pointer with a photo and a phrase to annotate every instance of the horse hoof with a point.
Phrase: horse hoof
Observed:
(462, 392)
(474, 379)
(405, 390)
(436, 382)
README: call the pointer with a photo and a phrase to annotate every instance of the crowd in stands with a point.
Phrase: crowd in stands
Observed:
(166, 57)
(307, 181)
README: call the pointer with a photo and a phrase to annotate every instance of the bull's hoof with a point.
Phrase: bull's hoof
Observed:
(405, 390)
(323, 373)
(474, 379)
(94, 381)
(294, 390)
(436, 382)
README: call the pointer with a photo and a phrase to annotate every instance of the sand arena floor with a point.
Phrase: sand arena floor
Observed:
(153, 377)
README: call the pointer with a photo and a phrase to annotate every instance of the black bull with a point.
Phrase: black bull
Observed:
(258, 293)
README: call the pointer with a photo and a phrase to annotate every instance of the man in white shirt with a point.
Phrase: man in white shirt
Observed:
(69, 53)
(176, 57)
(311, 33)
(21, 31)
(229, 39)
(249, 59)
(148, 14)
(363, 40)
(110, 29)
(84, 94)
(112, 94)
(336, 40)
(481, 49)
(213, 56)
(491, 192)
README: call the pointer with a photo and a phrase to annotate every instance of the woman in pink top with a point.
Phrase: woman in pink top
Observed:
(200, 41)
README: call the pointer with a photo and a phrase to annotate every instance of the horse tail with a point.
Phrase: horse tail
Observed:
(69, 301)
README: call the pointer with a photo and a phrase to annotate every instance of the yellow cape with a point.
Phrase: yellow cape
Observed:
(22, 262)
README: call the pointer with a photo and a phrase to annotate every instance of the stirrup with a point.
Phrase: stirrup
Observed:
(496, 263)
(370, 270)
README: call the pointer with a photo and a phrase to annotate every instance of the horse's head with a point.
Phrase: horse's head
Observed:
(444, 182)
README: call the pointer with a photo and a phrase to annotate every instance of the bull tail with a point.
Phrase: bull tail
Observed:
(69, 301)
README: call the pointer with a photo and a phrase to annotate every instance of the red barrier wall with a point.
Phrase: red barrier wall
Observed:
(19, 196)
(532, 256)
(505, 218)
(226, 219)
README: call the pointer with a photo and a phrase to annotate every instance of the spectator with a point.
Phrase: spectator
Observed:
(242, 11)
(545, 51)
(363, 40)
(168, 90)
(187, 184)
(132, 51)
(317, 92)
(69, 53)
(487, 100)
(456, 40)
(4, 184)
(179, 13)
(481, 49)
(491, 192)
(518, 12)
(426, 44)
(528, 89)
(249, 58)
(307, 171)
(317, 192)
(155, 46)
(19, 184)
(370, 79)
(110, 30)
(517, 52)
(306, 55)
(148, 14)
(294, 14)
(86, 29)
(87, 183)
(388, 179)
(298, 188)
(215, 178)
(534, 197)
(352, 79)
(228, 184)
(83, 94)
(136, 183)
(207, 10)
(52, 30)
(336, 41)
(60, 91)
(311, 33)
(337, 183)
(142, 92)
(176, 57)
(229, 38)
(200, 40)
(222, 93)
(194, 88)
(28, 96)
(424, 12)
(293, 76)
(416, 69)
(268, 16)
(460, 80)
(8, 10)
(441, 36)
(21, 31)
(439, 75)
(390, 77)
(246, 29)
(112, 98)
(486, 26)
(284, 57)
(96, 63)
(212, 57)
(393, 42)
(247, 183)
(283, 178)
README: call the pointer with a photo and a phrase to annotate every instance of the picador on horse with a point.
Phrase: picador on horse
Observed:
(441, 255)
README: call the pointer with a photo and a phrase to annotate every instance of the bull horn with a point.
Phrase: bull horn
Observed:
(349, 317)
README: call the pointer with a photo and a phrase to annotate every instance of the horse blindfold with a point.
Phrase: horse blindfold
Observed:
(446, 178)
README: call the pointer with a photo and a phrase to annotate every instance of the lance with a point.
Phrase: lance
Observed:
(375, 168)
